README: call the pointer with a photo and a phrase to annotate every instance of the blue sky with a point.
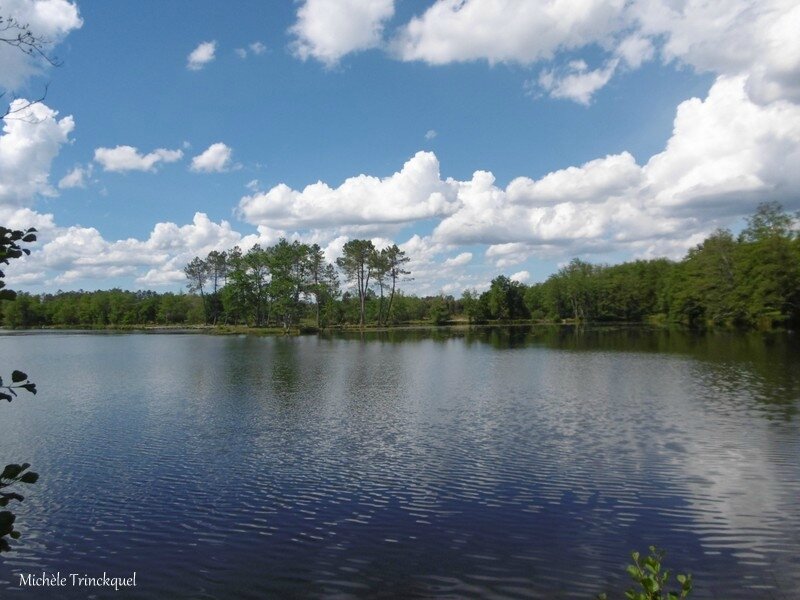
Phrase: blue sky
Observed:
(608, 131)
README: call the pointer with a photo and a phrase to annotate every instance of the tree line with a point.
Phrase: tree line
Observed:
(749, 280)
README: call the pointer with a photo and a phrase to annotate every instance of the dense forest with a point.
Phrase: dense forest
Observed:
(749, 280)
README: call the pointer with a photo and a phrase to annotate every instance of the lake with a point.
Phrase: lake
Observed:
(492, 463)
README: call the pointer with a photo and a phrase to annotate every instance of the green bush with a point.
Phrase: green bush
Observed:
(647, 573)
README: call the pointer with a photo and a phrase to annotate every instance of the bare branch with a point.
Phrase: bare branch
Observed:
(9, 112)
(13, 33)
(19, 36)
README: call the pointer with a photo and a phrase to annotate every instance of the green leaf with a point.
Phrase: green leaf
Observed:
(29, 477)
(7, 519)
(18, 376)
(11, 471)
(650, 585)
(6, 498)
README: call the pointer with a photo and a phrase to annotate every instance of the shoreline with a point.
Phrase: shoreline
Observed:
(304, 330)
(226, 330)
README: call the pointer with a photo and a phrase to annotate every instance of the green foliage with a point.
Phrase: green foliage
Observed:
(770, 221)
(706, 285)
(379, 265)
(362, 263)
(395, 260)
(750, 280)
(504, 300)
(265, 286)
(439, 312)
(288, 265)
(651, 581)
(323, 284)
(409, 308)
(474, 306)
(579, 292)
(358, 263)
(19, 381)
(13, 474)
(107, 308)
(10, 249)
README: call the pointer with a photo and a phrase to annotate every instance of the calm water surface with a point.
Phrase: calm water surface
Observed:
(492, 464)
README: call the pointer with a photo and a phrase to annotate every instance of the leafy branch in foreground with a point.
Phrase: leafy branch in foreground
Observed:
(647, 573)
(10, 248)
(13, 474)
(21, 380)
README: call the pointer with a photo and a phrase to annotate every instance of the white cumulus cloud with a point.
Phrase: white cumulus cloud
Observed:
(201, 56)
(415, 192)
(50, 20)
(31, 139)
(575, 81)
(128, 158)
(635, 50)
(76, 178)
(595, 180)
(327, 30)
(71, 255)
(727, 150)
(726, 154)
(520, 276)
(753, 38)
(459, 261)
(214, 159)
(506, 30)
(256, 48)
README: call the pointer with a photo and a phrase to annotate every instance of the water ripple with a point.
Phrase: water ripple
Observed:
(466, 468)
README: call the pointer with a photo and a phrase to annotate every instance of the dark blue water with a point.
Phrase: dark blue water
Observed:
(494, 464)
